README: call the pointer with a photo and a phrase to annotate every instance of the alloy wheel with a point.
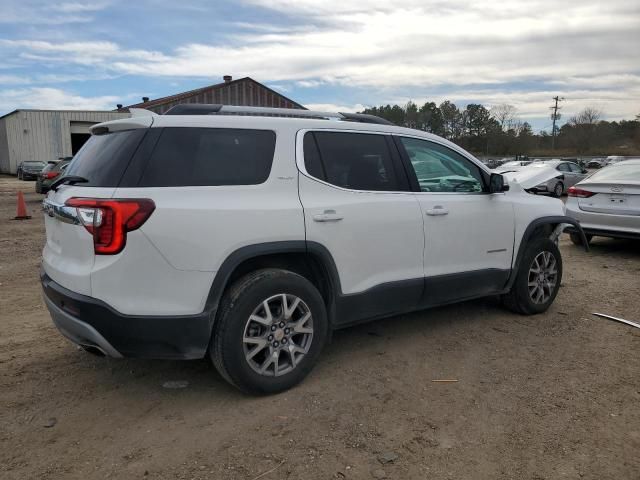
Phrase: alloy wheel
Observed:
(543, 277)
(278, 335)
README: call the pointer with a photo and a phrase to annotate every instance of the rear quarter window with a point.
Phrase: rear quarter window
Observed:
(103, 159)
(210, 157)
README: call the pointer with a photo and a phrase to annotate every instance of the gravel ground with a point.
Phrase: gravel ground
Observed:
(545, 397)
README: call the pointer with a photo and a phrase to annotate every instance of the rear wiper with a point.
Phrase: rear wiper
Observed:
(67, 180)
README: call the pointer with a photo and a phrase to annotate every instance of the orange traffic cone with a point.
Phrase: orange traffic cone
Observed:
(21, 213)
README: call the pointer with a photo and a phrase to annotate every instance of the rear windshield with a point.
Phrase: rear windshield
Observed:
(104, 158)
(210, 156)
(619, 172)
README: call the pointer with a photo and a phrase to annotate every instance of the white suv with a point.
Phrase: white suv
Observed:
(249, 234)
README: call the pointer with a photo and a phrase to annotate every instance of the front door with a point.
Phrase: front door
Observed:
(468, 232)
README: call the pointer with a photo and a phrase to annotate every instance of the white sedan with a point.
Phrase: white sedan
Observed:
(607, 204)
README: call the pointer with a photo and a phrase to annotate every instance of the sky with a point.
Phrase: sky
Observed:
(339, 55)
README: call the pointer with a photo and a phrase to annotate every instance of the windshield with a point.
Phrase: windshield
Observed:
(33, 164)
(621, 171)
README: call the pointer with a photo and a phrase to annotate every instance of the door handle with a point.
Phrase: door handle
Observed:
(437, 210)
(327, 216)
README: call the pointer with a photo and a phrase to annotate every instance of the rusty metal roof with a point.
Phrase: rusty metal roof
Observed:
(180, 96)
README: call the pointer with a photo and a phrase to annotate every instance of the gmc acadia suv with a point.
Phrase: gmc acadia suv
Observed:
(249, 234)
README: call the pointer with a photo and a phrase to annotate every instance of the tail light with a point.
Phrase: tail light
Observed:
(580, 193)
(50, 175)
(109, 220)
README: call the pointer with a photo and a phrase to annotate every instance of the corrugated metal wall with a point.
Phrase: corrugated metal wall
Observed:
(244, 92)
(4, 146)
(42, 135)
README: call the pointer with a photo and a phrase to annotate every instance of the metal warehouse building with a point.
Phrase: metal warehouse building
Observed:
(42, 135)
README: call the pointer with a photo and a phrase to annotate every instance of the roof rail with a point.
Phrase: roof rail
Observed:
(218, 109)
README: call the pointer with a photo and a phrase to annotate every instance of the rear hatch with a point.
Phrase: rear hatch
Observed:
(68, 255)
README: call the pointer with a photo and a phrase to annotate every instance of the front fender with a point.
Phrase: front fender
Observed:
(561, 221)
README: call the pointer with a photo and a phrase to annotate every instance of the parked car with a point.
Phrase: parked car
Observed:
(513, 166)
(29, 170)
(607, 204)
(549, 176)
(50, 173)
(595, 163)
(270, 232)
(612, 159)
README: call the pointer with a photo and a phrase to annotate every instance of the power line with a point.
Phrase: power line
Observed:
(555, 116)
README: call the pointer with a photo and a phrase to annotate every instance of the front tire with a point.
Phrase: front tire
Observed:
(271, 327)
(537, 280)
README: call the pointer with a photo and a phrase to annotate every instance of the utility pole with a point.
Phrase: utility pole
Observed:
(555, 116)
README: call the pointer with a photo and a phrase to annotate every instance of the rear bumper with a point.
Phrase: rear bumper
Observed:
(599, 232)
(604, 224)
(90, 322)
(79, 332)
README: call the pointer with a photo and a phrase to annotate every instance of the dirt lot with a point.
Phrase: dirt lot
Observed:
(546, 397)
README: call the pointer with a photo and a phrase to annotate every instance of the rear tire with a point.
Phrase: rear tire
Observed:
(537, 280)
(270, 329)
(20, 177)
(577, 240)
(558, 190)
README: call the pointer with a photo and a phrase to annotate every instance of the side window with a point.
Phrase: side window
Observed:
(564, 167)
(312, 161)
(440, 169)
(210, 156)
(575, 168)
(357, 161)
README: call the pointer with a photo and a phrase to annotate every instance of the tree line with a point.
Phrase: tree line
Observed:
(499, 131)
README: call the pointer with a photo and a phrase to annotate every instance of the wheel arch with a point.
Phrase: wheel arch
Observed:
(309, 259)
(542, 226)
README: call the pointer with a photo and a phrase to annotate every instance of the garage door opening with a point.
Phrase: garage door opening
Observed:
(77, 140)
(79, 134)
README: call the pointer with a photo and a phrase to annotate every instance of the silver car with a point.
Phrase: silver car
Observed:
(607, 204)
(569, 173)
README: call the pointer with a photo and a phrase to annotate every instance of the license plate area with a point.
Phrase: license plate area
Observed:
(617, 199)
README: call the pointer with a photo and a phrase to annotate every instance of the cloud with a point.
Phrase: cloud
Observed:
(309, 83)
(75, 7)
(279, 88)
(332, 107)
(13, 79)
(38, 12)
(53, 98)
(509, 51)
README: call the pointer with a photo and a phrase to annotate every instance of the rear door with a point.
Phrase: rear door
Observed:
(576, 173)
(468, 232)
(358, 206)
(68, 254)
(570, 177)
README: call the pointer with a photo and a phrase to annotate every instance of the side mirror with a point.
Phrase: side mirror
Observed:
(497, 183)
(584, 170)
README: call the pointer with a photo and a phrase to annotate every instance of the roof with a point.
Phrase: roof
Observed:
(58, 111)
(180, 96)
